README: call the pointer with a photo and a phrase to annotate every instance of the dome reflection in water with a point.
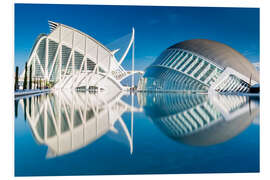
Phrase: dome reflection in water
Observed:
(199, 119)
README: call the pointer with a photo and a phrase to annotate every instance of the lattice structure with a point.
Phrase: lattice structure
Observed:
(200, 65)
(70, 59)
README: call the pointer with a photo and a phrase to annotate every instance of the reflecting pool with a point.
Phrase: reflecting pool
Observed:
(82, 133)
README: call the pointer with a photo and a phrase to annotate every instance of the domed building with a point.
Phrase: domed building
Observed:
(200, 65)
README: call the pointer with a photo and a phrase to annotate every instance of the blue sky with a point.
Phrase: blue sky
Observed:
(156, 28)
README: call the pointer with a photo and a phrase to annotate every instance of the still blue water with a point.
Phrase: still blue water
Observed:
(86, 134)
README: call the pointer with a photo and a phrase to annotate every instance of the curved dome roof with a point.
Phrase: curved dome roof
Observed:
(220, 54)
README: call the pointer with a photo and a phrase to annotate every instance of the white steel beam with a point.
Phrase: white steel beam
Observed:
(129, 45)
(54, 60)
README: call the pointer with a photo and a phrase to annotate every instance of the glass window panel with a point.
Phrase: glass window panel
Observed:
(188, 64)
(169, 58)
(171, 53)
(212, 68)
(201, 69)
(187, 57)
(196, 65)
(173, 58)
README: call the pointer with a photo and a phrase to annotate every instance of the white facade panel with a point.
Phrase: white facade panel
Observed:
(55, 35)
(79, 41)
(67, 36)
(91, 49)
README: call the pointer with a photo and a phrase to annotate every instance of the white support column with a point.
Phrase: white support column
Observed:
(132, 94)
(171, 58)
(41, 68)
(34, 73)
(227, 85)
(77, 79)
(60, 57)
(54, 61)
(97, 64)
(129, 45)
(46, 58)
(188, 60)
(69, 60)
(232, 83)
(235, 85)
(212, 74)
(245, 88)
(85, 62)
(182, 59)
(192, 64)
(242, 87)
(236, 88)
(176, 60)
(84, 56)
(168, 57)
(223, 83)
(133, 51)
(168, 53)
(197, 68)
(73, 60)
(204, 71)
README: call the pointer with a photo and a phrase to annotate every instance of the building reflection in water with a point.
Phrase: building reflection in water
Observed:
(199, 119)
(66, 121)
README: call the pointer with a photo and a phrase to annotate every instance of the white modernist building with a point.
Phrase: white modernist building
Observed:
(71, 59)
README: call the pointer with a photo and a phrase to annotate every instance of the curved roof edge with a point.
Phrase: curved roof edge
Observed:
(221, 54)
(54, 25)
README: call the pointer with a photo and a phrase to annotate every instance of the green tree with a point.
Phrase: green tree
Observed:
(16, 78)
(25, 77)
(30, 78)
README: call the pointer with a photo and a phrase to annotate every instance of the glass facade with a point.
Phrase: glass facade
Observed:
(54, 60)
(232, 83)
(182, 70)
(177, 69)
(67, 58)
